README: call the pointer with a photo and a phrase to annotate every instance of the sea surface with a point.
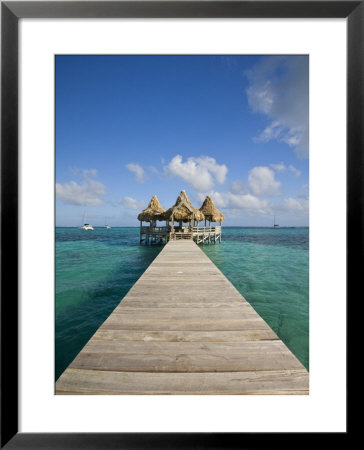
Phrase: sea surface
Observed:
(95, 269)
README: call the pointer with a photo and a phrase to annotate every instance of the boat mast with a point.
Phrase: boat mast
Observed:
(275, 225)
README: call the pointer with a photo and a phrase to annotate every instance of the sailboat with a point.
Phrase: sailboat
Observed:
(85, 226)
(106, 226)
(275, 225)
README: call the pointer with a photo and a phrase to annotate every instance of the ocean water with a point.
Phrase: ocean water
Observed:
(269, 267)
(95, 269)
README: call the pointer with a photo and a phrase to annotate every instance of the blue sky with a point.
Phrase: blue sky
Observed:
(232, 127)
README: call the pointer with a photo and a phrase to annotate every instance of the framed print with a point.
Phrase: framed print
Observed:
(90, 66)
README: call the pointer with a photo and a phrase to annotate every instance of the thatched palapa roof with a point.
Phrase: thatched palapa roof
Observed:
(210, 211)
(152, 212)
(183, 210)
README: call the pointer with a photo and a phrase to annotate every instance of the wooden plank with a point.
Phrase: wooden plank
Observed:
(168, 311)
(185, 314)
(75, 381)
(175, 348)
(206, 293)
(122, 323)
(184, 336)
(172, 303)
(183, 362)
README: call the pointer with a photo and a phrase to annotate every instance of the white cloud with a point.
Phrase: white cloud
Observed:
(201, 173)
(262, 182)
(247, 202)
(296, 204)
(279, 89)
(138, 171)
(281, 167)
(89, 173)
(131, 203)
(238, 187)
(154, 170)
(87, 192)
(295, 171)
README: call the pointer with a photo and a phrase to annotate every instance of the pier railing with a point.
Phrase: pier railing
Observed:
(216, 229)
(150, 230)
(210, 229)
(201, 235)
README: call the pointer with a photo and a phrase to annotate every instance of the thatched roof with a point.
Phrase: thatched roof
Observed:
(210, 211)
(184, 211)
(153, 211)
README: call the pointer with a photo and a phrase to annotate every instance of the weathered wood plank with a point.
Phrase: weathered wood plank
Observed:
(172, 303)
(184, 336)
(185, 314)
(76, 381)
(123, 323)
(176, 296)
(175, 348)
(183, 362)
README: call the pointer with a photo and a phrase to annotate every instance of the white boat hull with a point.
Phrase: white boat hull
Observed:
(87, 227)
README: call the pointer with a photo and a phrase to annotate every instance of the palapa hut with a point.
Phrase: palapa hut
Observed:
(152, 212)
(182, 211)
(211, 213)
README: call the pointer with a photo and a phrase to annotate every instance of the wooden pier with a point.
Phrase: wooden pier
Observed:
(184, 329)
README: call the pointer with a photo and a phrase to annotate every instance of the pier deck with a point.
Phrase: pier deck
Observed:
(184, 329)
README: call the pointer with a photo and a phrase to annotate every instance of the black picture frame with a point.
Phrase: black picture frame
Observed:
(11, 12)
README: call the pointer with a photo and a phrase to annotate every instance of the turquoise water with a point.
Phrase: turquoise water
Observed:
(269, 267)
(95, 269)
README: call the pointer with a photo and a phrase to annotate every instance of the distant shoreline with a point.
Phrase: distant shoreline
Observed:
(229, 226)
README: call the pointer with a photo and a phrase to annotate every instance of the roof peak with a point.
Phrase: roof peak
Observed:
(210, 211)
